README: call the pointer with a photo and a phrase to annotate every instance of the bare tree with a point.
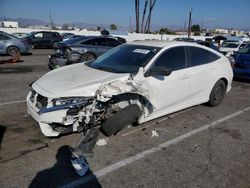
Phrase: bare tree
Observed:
(144, 13)
(137, 14)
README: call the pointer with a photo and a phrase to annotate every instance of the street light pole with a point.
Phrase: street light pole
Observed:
(189, 22)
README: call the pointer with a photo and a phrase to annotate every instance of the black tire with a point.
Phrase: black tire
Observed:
(53, 44)
(87, 57)
(217, 94)
(12, 50)
(121, 119)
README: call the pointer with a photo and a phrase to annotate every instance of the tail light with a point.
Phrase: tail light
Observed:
(232, 61)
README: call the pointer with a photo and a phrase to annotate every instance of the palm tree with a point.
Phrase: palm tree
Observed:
(137, 14)
(148, 22)
(144, 12)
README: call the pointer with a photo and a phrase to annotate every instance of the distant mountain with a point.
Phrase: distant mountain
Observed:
(24, 22)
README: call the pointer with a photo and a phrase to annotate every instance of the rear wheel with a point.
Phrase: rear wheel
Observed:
(12, 50)
(217, 94)
(87, 57)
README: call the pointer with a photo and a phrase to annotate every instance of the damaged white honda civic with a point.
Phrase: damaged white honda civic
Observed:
(130, 84)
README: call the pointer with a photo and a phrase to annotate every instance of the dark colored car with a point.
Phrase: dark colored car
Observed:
(81, 49)
(240, 61)
(44, 39)
(207, 44)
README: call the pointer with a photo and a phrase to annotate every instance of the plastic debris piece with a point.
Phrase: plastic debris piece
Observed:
(102, 142)
(80, 165)
(154, 133)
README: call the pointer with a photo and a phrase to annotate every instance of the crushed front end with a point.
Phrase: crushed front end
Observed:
(64, 115)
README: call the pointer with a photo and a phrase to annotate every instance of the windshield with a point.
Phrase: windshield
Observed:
(125, 58)
(245, 50)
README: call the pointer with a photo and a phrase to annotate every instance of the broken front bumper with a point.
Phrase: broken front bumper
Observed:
(56, 62)
(46, 119)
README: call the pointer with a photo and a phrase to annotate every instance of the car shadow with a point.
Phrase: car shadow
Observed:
(2, 131)
(242, 80)
(10, 70)
(62, 173)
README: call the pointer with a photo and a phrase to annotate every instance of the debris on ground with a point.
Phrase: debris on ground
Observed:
(154, 133)
(162, 131)
(80, 165)
(195, 147)
(16, 58)
(102, 142)
(86, 143)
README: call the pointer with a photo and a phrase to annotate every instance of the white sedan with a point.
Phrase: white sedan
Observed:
(228, 48)
(132, 83)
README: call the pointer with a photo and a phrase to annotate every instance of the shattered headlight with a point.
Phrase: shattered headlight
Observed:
(66, 103)
(69, 101)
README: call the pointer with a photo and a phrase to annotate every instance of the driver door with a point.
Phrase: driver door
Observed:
(169, 93)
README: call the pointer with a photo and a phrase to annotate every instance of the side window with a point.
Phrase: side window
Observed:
(112, 42)
(38, 35)
(3, 37)
(89, 42)
(199, 56)
(47, 35)
(101, 42)
(174, 59)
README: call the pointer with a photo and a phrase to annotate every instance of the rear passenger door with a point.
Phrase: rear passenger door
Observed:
(203, 67)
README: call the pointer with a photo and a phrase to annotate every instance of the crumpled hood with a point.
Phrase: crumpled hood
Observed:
(74, 80)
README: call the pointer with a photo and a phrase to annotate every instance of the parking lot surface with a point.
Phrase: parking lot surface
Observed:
(198, 147)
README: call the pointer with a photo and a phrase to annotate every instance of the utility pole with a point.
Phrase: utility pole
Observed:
(189, 22)
(50, 19)
(130, 24)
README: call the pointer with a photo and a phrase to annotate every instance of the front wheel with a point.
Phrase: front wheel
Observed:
(12, 50)
(217, 94)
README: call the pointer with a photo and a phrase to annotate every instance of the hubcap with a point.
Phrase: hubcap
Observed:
(88, 58)
(12, 51)
(218, 93)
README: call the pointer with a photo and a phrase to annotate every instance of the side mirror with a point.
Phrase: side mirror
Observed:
(154, 71)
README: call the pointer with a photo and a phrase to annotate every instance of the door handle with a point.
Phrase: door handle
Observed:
(185, 76)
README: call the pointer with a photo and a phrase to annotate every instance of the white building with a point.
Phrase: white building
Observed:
(221, 31)
(9, 24)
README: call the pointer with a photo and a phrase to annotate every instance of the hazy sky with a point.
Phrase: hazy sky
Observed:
(212, 13)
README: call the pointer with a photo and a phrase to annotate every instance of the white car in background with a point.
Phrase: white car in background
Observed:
(132, 83)
(228, 48)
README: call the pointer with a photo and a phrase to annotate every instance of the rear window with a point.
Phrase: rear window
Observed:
(200, 56)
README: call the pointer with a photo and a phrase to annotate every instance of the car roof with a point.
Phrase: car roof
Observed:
(159, 43)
